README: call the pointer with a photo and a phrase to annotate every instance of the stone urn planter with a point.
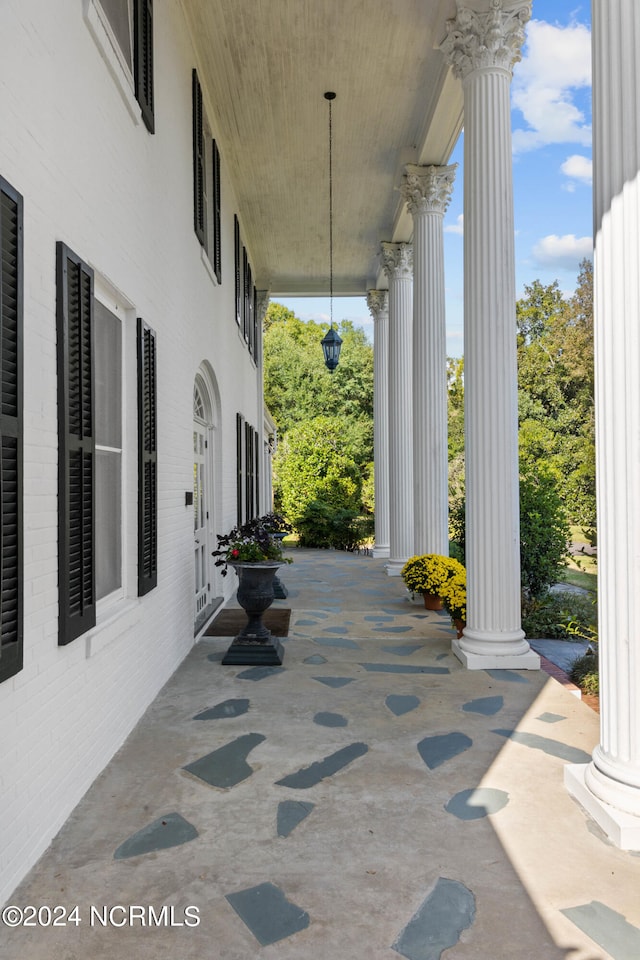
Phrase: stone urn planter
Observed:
(255, 645)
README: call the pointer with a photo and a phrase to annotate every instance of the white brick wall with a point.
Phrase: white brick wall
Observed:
(122, 200)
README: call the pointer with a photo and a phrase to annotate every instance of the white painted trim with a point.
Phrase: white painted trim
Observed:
(100, 29)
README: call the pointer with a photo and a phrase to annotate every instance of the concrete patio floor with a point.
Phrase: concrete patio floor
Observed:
(438, 824)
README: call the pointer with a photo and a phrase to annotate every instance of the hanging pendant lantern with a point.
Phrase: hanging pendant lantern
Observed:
(332, 342)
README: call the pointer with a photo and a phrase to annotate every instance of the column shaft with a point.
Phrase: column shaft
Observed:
(378, 303)
(427, 191)
(609, 787)
(482, 48)
(398, 264)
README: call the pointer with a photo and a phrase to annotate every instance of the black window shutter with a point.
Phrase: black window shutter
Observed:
(248, 441)
(217, 213)
(76, 446)
(143, 59)
(11, 319)
(147, 461)
(237, 252)
(245, 297)
(198, 160)
(257, 470)
(239, 468)
(254, 324)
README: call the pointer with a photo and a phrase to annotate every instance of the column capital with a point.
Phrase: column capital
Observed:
(262, 305)
(489, 38)
(427, 189)
(397, 260)
(378, 303)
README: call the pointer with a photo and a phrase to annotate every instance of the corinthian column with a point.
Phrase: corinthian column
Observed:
(609, 787)
(397, 259)
(427, 191)
(482, 48)
(378, 303)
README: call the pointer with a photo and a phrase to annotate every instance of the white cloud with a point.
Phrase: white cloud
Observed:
(562, 252)
(457, 227)
(556, 64)
(577, 167)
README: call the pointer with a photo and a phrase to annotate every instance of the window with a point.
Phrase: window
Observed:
(206, 183)
(91, 510)
(108, 446)
(123, 30)
(11, 318)
(247, 471)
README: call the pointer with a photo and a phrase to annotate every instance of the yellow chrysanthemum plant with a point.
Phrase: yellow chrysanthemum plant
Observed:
(430, 573)
(454, 596)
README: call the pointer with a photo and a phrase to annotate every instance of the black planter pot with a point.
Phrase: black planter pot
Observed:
(255, 644)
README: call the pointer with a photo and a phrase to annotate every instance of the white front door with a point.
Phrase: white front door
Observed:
(200, 517)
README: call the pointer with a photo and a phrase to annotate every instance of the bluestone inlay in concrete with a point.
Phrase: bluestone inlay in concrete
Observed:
(316, 658)
(228, 708)
(226, 766)
(404, 650)
(259, 673)
(401, 668)
(448, 910)
(609, 929)
(330, 720)
(487, 706)
(335, 682)
(383, 618)
(477, 803)
(437, 750)
(172, 830)
(268, 913)
(321, 769)
(306, 623)
(400, 704)
(550, 717)
(553, 747)
(510, 675)
(388, 629)
(290, 814)
(337, 641)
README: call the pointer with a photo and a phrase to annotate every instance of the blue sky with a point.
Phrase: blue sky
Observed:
(551, 121)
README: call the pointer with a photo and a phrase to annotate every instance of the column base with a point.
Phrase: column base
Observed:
(380, 551)
(527, 660)
(622, 828)
(394, 567)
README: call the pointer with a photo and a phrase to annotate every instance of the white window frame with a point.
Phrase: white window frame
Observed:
(122, 308)
(100, 28)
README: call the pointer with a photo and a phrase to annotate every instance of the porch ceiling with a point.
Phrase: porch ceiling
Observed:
(265, 66)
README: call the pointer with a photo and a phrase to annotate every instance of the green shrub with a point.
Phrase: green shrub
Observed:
(584, 673)
(552, 617)
(324, 525)
(544, 531)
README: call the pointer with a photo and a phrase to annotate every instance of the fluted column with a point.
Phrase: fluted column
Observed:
(378, 303)
(397, 259)
(609, 787)
(427, 190)
(482, 48)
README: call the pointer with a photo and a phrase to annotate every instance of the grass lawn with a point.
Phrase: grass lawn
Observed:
(580, 578)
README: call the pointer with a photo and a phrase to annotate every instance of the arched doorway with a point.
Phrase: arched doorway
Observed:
(207, 589)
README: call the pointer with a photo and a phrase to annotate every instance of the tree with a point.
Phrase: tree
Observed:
(556, 389)
(323, 466)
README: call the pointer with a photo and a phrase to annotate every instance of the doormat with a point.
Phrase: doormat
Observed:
(230, 622)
